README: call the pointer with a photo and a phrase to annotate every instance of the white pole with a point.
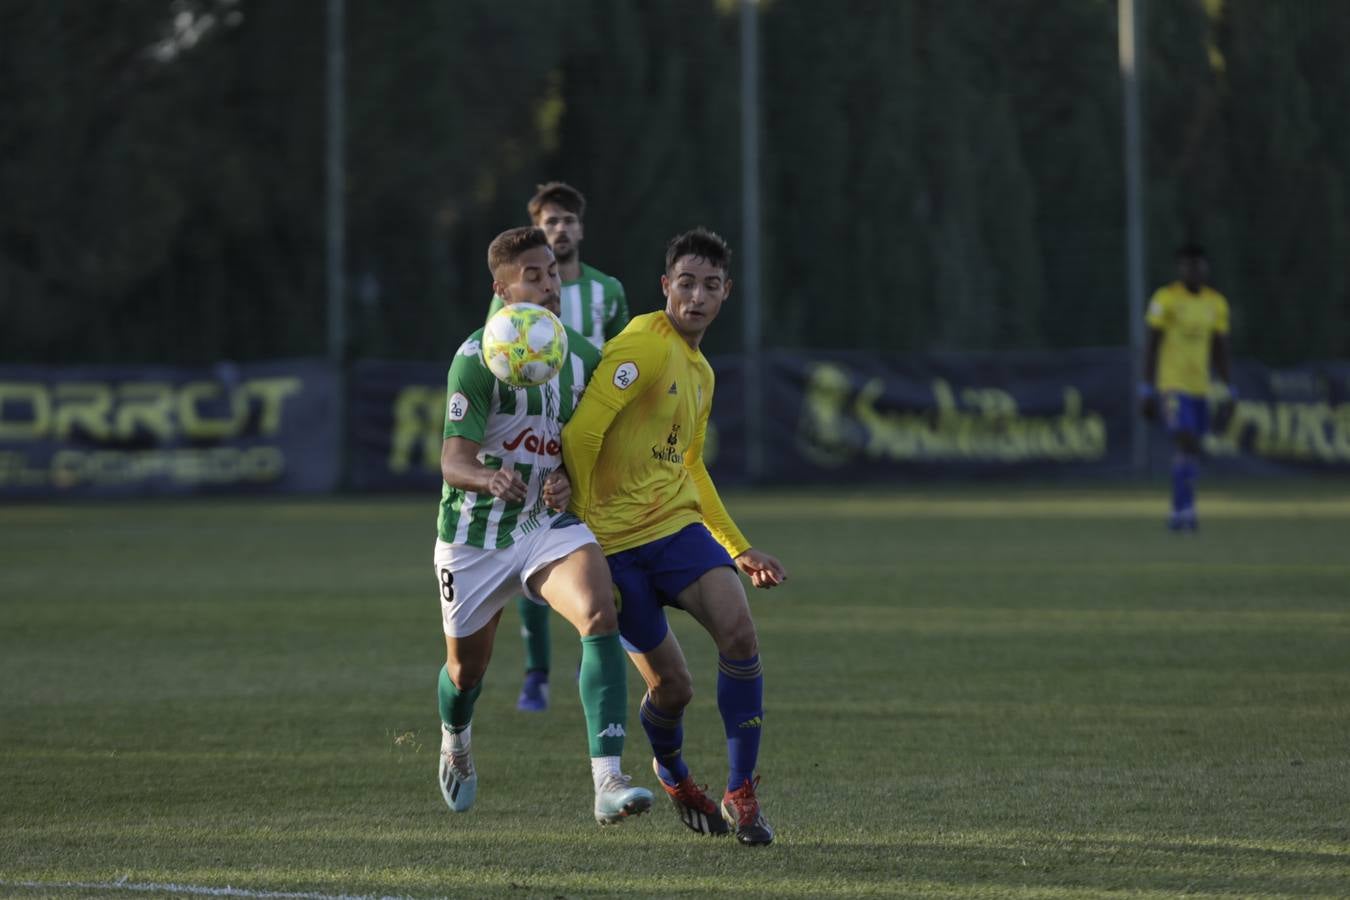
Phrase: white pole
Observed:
(1131, 14)
(750, 235)
(335, 177)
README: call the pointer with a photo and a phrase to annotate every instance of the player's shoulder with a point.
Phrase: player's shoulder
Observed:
(1169, 292)
(579, 345)
(636, 353)
(472, 346)
(649, 330)
(468, 359)
(608, 281)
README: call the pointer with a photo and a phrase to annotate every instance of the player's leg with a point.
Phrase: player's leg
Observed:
(669, 690)
(717, 601)
(1185, 421)
(457, 690)
(538, 650)
(473, 584)
(569, 573)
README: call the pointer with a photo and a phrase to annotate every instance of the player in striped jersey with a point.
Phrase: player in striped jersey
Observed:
(634, 450)
(503, 528)
(593, 303)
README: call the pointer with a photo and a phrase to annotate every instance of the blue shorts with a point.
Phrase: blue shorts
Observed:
(1186, 413)
(649, 577)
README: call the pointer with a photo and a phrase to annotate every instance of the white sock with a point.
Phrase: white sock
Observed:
(457, 741)
(602, 767)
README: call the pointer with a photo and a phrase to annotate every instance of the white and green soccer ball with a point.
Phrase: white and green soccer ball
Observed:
(524, 345)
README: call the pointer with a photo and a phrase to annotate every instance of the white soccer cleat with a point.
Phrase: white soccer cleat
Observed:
(459, 781)
(617, 799)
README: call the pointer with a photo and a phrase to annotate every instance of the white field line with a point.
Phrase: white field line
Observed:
(155, 887)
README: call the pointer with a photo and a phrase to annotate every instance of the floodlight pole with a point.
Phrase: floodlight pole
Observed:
(1131, 15)
(750, 236)
(335, 224)
(334, 178)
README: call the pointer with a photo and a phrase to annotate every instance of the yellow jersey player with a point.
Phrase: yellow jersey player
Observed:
(593, 304)
(1188, 334)
(634, 451)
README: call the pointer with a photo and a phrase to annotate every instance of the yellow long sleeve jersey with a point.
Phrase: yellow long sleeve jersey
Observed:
(634, 447)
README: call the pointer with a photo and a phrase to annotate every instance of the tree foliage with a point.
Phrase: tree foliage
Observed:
(936, 174)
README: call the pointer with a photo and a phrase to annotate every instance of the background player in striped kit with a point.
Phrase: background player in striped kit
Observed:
(502, 528)
(593, 304)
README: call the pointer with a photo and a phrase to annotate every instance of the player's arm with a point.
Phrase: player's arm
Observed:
(1148, 389)
(626, 370)
(763, 569)
(618, 315)
(461, 469)
(468, 394)
(1221, 360)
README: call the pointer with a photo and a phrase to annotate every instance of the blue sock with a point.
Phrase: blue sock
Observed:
(1184, 472)
(740, 700)
(666, 733)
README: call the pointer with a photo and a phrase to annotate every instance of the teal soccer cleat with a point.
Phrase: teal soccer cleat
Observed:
(617, 799)
(459, 782)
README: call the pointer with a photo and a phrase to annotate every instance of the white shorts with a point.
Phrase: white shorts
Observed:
(474, 583)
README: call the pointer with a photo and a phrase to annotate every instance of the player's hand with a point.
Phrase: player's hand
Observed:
(557, 490)
(1223, 415)
(507, 485)
(1148, 401)
(1148, 407)
(765, 571)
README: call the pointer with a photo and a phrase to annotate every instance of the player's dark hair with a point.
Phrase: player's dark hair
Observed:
(700, 242)
(1191, 250)
(507, 247)
(560, 193)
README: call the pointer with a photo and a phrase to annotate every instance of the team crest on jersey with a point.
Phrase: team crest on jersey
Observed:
(470, 348)
(457, 407)
(625, 375)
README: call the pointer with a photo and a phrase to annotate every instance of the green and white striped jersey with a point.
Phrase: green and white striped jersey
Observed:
(594, 305)
(517, 428)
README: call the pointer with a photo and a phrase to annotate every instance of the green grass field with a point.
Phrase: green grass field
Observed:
(972, 692)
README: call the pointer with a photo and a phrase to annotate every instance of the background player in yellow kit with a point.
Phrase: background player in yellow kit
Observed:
(1188, 331)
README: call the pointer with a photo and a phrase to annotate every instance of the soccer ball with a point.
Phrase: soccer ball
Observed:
(524, 345)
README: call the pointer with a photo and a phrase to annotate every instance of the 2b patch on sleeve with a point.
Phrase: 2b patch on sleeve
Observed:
(457, 407)
(625, 375)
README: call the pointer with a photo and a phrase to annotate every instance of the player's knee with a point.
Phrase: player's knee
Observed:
(466, 678)
(673, 690)
(738, 640)
(600, 618)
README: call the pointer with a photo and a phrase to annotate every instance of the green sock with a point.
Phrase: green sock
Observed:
(456, 705)
(603, 685)
(534, 628)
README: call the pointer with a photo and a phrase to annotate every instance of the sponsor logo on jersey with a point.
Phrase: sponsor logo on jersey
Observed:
(670, 453)
(534, 443)
(625, 375)
(457, 407)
